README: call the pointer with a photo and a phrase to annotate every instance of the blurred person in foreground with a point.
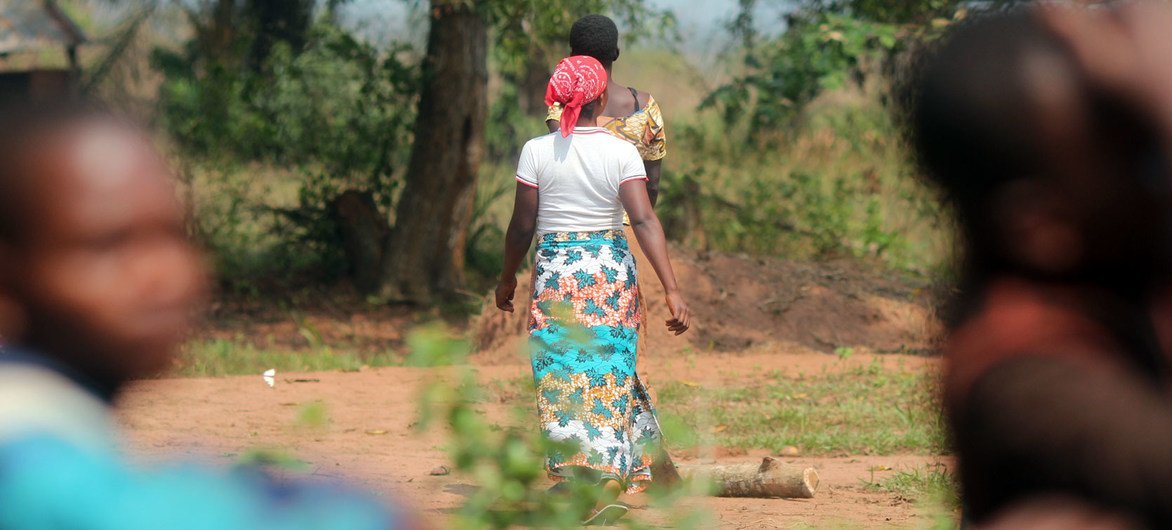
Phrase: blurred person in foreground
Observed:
(1049, 132)
(98, 285)
(584, 319)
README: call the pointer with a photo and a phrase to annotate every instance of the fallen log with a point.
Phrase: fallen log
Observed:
(770, 479)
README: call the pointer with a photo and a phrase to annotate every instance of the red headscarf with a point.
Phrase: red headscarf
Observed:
(576, 81)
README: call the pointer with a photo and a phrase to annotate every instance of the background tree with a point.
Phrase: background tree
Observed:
(425, 253)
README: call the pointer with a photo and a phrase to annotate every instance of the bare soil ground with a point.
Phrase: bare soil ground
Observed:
(755, 319)
(370, 440)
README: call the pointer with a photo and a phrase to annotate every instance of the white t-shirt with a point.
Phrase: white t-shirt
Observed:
(578, 178)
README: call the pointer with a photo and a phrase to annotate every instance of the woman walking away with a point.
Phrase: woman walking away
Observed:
(572, 188)
(634, 117)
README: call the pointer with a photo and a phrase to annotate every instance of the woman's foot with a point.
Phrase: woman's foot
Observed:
(608, 510)
(611, 489)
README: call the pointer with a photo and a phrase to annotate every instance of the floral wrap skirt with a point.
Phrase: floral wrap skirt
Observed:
(583, 330)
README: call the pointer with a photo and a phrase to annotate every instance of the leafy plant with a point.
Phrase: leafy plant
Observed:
(335, 113)
(824, 52)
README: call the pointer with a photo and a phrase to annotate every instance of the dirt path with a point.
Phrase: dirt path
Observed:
(369, 438)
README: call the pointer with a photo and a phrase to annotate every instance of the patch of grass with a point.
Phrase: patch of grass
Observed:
(214, 358)
(868, 410)
(933, 488)
(932, 482)
(865, 410)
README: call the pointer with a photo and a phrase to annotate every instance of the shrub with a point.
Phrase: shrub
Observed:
(335, 116)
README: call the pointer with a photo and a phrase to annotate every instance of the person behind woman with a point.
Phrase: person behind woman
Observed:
(629, 114)
(572, 189)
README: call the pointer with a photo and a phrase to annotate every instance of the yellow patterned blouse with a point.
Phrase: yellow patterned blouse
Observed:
(644, 128)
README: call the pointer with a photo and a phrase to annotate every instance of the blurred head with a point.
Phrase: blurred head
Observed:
(96, 269)
(1048, 177)
(595, 36)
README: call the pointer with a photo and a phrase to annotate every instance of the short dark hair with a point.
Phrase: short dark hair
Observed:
(595, 36)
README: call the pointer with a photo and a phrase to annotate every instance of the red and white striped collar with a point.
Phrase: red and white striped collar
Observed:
(591, 130)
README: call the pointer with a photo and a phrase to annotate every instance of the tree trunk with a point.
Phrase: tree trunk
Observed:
(363, 232)
(531, 92)
(425, 253)
(768, 480)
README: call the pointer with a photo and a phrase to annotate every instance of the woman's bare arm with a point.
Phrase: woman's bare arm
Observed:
(649, 232)
(517, 241)
(654, 168)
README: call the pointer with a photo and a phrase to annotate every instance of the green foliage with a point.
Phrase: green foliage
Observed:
(919, 484)
(509, 126)
(338, 113)
(433, 345)
(824, 53)
(270, 148)
(339, 104)
(828, 45)
(836, 185)
(886, 11)
(277, 22)
(932, 488)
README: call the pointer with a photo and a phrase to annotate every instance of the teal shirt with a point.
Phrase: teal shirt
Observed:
(58, 471)
(48, 484)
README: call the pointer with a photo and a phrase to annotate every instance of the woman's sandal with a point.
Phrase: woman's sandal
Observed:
(607, 515)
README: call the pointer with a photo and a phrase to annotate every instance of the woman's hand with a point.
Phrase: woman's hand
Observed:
(504, 293)
(681, 316)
